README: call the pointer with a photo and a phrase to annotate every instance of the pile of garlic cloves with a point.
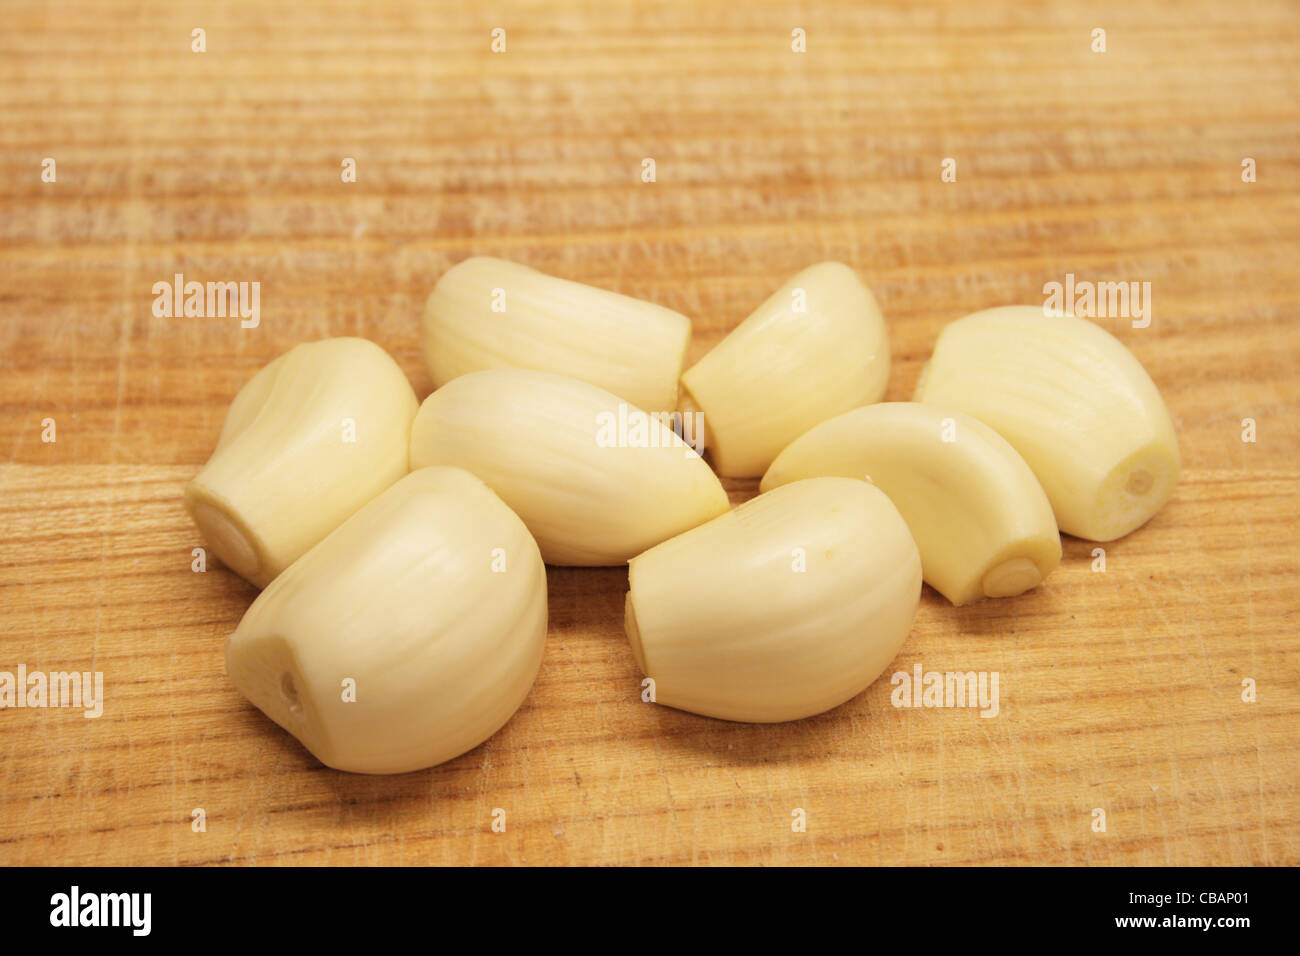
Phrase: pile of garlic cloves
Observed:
(401, 547)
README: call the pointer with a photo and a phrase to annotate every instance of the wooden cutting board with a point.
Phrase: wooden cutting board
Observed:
(1120, 691)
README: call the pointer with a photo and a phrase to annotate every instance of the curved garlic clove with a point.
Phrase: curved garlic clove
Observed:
(595, 480)
(490, 313)
(817, 347)
(982, 522)
(310, 439)
(408, 636)
(1074, 402)
(785, 607)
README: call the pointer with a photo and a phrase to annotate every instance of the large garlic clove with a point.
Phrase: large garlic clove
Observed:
(595, 480)
(489, 313)
(408, 636)
(783, 608)
(817, 347)
(982, 523)
(310, 439)
(1074, 402)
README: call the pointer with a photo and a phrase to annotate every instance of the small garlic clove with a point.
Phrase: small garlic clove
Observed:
(489, 313)
(1076, 405)
(595, 479)
(406, 637)
(787, 606)
(310, 439)
(817, 347)
(981, 520)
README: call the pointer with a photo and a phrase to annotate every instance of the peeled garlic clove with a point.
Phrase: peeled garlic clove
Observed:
(489, 313)
(982, 522)
(785, 607)
(595, 479)
(408, 636)
(310, 439)
(1074, 402)
(816, 348)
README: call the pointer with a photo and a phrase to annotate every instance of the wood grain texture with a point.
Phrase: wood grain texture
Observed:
(1119, 690)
